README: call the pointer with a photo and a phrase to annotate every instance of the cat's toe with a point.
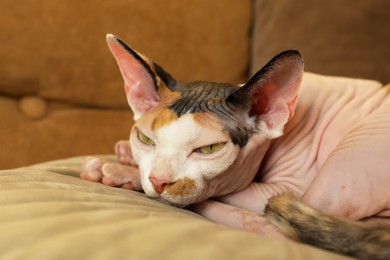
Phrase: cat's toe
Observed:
(128, 186)
(92, 169)
(117, 175)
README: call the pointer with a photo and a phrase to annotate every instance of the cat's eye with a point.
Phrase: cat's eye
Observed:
(212, 148)
(144, 139)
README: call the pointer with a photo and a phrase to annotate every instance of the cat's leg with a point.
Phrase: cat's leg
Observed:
(111, 174)
(237, 218)
(124, 154)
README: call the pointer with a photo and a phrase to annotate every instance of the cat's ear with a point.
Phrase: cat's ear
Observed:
(271, 94)
(142, 77)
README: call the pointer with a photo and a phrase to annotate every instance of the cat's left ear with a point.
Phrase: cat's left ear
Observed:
(271, 94)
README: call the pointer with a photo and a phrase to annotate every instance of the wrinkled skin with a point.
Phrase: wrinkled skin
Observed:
(334, 154)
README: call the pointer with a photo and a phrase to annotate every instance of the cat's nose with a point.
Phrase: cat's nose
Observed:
(159, 183)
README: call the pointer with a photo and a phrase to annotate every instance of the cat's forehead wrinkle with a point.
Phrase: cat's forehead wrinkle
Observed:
(208, 97)
(200, 96)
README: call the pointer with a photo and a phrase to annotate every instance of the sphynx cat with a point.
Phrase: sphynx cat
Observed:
(256, 157)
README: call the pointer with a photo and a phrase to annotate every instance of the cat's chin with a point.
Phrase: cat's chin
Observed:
(177, 205)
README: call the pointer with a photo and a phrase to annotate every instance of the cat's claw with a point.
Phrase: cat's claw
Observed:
(111, 174)
(124, 154)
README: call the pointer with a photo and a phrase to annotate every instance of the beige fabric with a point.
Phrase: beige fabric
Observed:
(47, 212)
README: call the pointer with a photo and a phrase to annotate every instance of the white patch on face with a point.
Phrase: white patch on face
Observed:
(144, 157)
(175, 155)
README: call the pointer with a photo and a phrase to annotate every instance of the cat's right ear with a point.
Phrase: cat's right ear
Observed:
(139, 75)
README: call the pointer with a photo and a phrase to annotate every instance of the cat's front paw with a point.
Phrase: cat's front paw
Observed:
(124, 154)
(111, 174)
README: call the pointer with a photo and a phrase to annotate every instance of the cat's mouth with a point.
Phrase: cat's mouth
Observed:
(177, 205)
(180, 194)
(182, 187)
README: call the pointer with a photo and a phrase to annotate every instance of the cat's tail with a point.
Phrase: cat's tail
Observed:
(305, 224)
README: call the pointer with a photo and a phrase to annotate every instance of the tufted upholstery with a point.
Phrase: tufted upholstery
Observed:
(61, 93)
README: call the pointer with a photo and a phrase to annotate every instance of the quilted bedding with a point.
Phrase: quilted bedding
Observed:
(47, 212)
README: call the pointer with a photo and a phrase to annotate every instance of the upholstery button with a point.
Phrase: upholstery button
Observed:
(33, 107)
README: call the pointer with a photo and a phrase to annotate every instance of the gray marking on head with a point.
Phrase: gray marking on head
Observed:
(199, 96)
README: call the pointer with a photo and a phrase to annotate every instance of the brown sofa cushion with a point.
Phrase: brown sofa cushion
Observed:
(58, 49)
(61, 93)
(63, 131)
(47, 212)
(343, 38)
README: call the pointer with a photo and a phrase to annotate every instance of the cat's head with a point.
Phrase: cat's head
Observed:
(202, 139)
